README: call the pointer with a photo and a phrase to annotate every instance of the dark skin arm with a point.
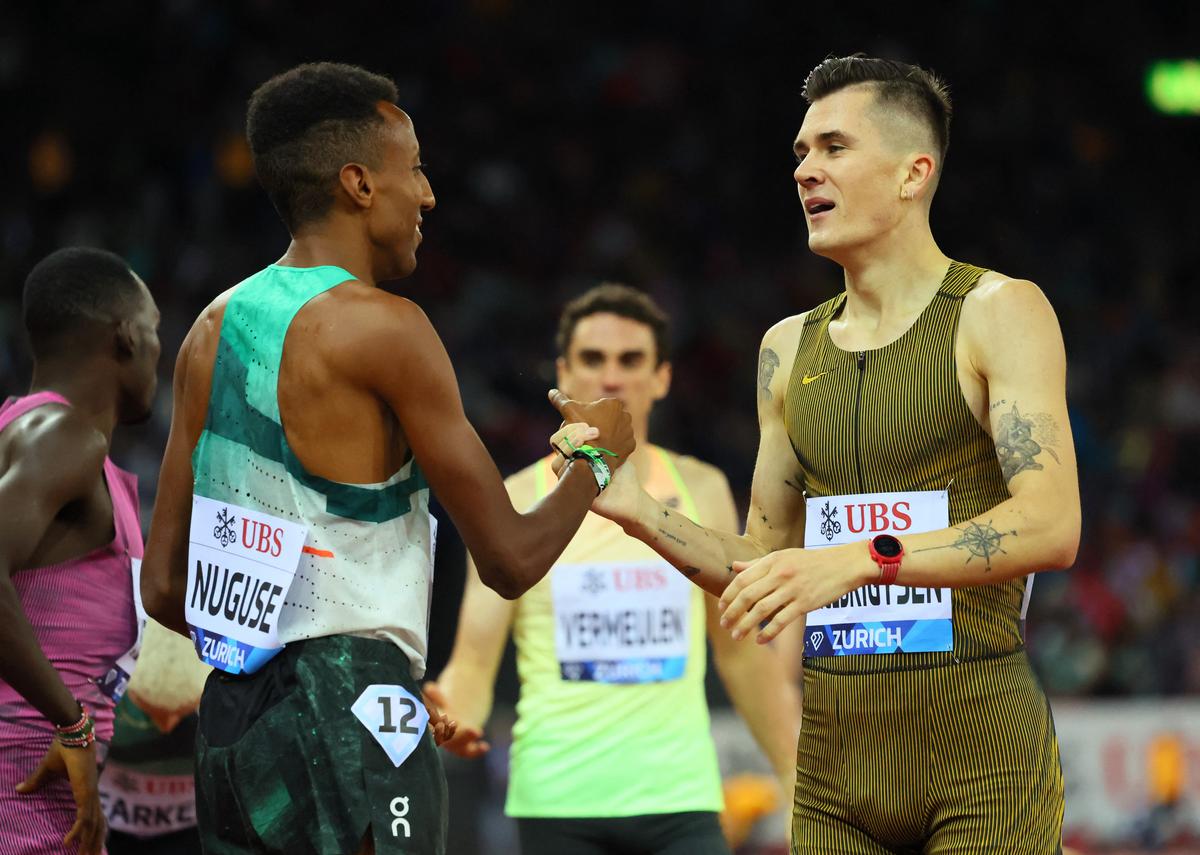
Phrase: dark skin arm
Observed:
(513, 551)
(56, 461)
(164, 567)
(395, 355)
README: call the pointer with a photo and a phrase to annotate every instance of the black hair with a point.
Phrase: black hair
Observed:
(914, 90)
(619, 300)
(306, 124)
(72, 286)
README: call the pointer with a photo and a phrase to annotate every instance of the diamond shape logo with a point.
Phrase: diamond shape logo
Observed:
(395, 717)
(815, 639)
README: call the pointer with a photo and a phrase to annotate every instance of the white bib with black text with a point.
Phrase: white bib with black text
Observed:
(621, 621)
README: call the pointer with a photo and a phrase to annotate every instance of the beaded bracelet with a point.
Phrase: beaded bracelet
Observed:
(81, 734)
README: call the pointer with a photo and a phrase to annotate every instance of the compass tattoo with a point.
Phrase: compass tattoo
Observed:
(979, 541)
(1020, 438)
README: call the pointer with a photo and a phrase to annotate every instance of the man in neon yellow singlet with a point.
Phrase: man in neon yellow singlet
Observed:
(611, 749)
(915, 470)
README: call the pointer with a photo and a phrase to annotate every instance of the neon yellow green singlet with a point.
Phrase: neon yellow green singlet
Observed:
(612, 719)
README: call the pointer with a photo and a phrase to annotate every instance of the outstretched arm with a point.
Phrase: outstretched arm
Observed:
(753, 675)
(394, 353)
(776, 518)
(401, 358)
(1014, 344)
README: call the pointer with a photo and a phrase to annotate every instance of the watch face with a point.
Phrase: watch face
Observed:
(887, 546)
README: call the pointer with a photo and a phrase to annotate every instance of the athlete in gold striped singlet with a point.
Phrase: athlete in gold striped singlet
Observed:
(915, 469)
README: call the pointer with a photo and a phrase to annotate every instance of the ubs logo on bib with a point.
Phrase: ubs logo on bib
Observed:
(223, 531)
(593, 582)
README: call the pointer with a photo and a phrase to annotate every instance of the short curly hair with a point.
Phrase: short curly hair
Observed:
(306, 124)
(73, 286)
(620, 300)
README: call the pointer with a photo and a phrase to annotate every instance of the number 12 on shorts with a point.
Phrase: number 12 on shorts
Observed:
(395, 717)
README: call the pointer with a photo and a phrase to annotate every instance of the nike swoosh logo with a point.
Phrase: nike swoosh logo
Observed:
(807, 379)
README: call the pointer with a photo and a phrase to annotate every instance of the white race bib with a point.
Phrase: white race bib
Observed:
(116, 681)
(396, 718)
(241, 564)
(147, 805)
(621, 622)
(878, 618)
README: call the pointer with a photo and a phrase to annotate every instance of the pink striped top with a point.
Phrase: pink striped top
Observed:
(82, 610)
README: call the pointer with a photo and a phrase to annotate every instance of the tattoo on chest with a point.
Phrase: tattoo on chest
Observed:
(978, 541)
(1022, 437)
(768, 361)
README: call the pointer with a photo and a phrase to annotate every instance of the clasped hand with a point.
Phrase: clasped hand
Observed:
(783, 586)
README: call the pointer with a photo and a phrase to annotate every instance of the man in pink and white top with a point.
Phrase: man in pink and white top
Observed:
(69, 540)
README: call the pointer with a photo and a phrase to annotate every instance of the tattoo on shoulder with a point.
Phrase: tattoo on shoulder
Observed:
(978, 541)
(768, 361)
(1021, 437)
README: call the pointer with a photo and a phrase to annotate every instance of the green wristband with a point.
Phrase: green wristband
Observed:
(594, 457)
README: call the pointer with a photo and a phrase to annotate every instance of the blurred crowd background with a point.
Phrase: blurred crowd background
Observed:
(650, 143)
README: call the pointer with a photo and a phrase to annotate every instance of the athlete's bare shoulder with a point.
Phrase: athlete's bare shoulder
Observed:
(368, 324)
(57, 444)
(995, 287)
(787, 330)
(775, 357)
(999, 305)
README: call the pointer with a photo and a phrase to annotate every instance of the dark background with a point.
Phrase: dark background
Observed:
(651, 143)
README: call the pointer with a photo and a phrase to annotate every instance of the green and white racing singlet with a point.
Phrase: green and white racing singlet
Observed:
(278, 554)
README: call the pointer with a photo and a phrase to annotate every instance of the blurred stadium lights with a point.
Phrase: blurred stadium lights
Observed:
(1173, 86)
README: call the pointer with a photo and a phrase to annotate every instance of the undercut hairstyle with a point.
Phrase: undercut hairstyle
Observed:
(304, 125)
(900, 86)
(616, 299)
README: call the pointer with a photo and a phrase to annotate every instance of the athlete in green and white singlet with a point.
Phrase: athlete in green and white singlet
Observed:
(291, 537)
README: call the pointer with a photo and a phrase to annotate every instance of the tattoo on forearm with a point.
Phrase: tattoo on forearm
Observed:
(672, 537)
(1020, 438)
(980, 541)
(768, 361)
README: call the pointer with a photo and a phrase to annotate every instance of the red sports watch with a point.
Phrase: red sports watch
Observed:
(886, 551)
